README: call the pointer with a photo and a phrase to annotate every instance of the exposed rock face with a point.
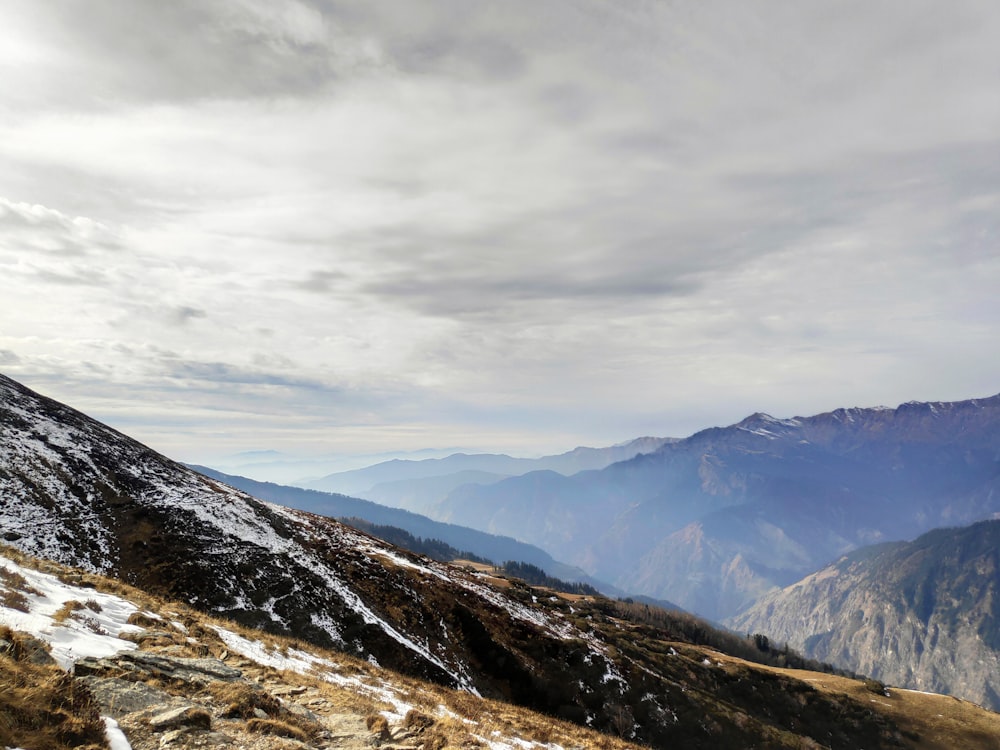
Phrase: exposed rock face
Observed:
(924, 615)
(713, 521)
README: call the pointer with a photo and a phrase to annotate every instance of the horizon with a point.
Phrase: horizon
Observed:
(354, 228)
(272, 465)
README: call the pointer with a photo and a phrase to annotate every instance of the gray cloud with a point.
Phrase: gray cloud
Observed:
(450, 52)
(70, 275)
(452, 218)
(223, 374)
(184, 314)
(320, 281)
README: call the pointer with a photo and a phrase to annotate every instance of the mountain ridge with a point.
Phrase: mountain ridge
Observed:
(923, 614)
(335, 505)
(78, 492)
(391, 482)
(803, 490)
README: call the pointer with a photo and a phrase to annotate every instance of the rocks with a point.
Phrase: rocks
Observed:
(144, 665)
(33, 650)
(119, 697)
(165, 701)
(288, 690)
(181, 716)
(185, 739)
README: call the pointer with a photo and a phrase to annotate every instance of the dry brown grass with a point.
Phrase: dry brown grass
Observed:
(42, 707)
(13, 587)
(929, 721)
(14, 600)
(277, 728)
(240, 700)
(66, 610)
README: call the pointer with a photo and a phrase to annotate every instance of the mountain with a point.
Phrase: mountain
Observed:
(419, 485)
(332, 505)
(80, 493)
(90, 661)
(289, 468)
(714, 521)
(923, 614)
(423, 495)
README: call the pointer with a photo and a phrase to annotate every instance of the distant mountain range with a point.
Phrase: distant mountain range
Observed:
(75, 491)
(922, 613)
(925, 614)
(419, 485)
(497, 548)
(718, 519)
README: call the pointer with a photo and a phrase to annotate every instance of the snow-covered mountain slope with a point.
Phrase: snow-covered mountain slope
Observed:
(167, 676)
(75, 491)
(117, 647)
(36, 603)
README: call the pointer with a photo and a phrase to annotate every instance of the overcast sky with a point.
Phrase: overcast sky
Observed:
(525, 226)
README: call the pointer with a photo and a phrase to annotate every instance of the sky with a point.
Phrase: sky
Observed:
(356, 227)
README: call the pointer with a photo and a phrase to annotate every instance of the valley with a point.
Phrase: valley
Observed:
(78, 493)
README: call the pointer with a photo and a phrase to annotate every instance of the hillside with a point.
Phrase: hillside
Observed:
(78, 492)
(85, 659)
(923, 615)
(716, 520)
(333, 505)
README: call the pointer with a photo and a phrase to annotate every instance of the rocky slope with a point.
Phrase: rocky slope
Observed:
(147, 674)
(714, 521)
(85, 660)
(332, 505)
(924, 614)
(78, 492)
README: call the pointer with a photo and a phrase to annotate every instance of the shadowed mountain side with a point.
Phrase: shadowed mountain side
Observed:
(714, 520)
(232, 687)
(923, 614)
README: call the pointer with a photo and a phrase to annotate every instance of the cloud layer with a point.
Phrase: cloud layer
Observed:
(360, 226)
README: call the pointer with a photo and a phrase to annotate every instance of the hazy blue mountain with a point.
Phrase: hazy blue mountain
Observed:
(332, 505)
(923, 614)
(291, 468)
(390, 479)
(714, 521)
(424, 495)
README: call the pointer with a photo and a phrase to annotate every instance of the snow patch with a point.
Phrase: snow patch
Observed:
(93, 630)
(116, 738)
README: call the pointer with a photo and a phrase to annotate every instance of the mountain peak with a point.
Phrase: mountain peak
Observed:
(765, 425)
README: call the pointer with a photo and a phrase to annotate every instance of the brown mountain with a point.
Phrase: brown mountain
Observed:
(923, 614)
